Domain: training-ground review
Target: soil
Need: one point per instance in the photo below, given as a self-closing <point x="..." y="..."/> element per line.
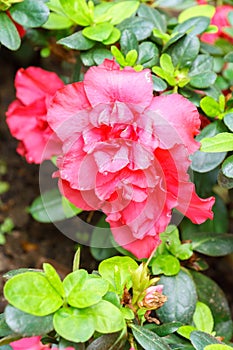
<point x="32" y="243"/>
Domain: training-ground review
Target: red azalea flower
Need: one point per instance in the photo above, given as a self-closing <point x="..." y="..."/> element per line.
<point x="221" y="21"/>
<point x="26" y="116"/>
<point x="127" y="153"/>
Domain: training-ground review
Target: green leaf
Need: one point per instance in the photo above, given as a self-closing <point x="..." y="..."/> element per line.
<point x="49" y="207"/>
<point x="227" y="167"/>
<point x="101" y="244"/>
<point x="229" y="57"/>
<point x="87" y="58"/>
<point x="27" y="325"/>
<point x="200" y="339"/>
<point x="115" y="341"/>
<point x="204" y="162"/>
<point x="222" y="142"/>
<point x="164" y="329"/>
<point x="9" y="35"/>
<point x="212" y="244"/>
<point x="148" y="54"/>
<point x="74" y="324"/>
<point x="194" y="25"/>
<point x="218" y="347"/>
<point x="180" y="306"/>
<point x="147" y="339"/>
<point x="158" y="84"/>
<point x="210" y="106"/>
<point x="98" y="32"/>
<point x="154" y="16"/>
<point x="117" y="271"/>
<point x="185" y="51"/>
<point x="113" y="37"/>
<point x="197" y="11"/>
<point x="166" y="63"/>
<point x="166" y="264"/>
<point x="57" y="21"/>
<point x="122" y="10"/>
<point x="203" y="80"/>
<point x="141" y="27"/>
<point x="128" y="41"/>
<point x="78" y="11"/>
<point x="99" y="55"/>
<point x="88" y="293"/>
<point x="77" y="41"/>
<point x="107" y="317"/>
<point x="228" y="121"/>
<point x="54" y="279"/>
<point x="30" y="13"/>
<point x="32" y="293"/>
<point x="185" y="331"/>
<point x="73" y="279"/>
<point x="208" y="292"/>
<point x="5" y="330"/>
<point x="131" y="58"/>
<point x="203" y="318"/>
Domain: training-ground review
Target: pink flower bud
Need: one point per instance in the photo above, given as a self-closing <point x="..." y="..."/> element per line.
<point x="154" y="298"/>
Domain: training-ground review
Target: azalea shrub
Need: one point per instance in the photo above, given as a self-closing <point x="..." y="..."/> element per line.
<point x="138" y="135"/>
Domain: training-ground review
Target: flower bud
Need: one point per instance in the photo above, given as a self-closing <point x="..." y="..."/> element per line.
<point x="154" y="298"/>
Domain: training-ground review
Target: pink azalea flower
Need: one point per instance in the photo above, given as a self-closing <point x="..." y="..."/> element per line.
<point x="220" y="19"/>
<point x="32" y="343"/>
<point x="26" y="116"/>
<point x="126" y="152"/>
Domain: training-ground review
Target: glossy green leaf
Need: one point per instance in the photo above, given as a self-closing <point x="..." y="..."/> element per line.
<point x="57" y="21"/>
<point x="148" y="54"/>
<point x="117" y="271"/>
<point x="208" y="292"/>
<point x="203" y="80"/>
<point x="32" y="293"/>
<point x="128" y="41"/>
<point x="87" y="58"/>
<point x="113" y="37"/>
<point x="74" y="324"/>
<point x="54" y="279"/>
<point x="185" y="331"/>
<point x="200" y="339"/>
<point x="147" y="339"/>
<point x="220" y="143"/>
<point x="88" y="293"/>
<point x="73" y="279"/>
<point x="218" y="347"/>
<point x="196" y="11"/>
<point x="229" y="57"/>
<point x="204" y="161"/>
<point x="115" y="341"/>
<point x="99" y="55"/>
<point x="210" y="106"/>
<point x="180" y="306"/>
<point x="194" y="25"/>
<point x="98" y="32"/>
<point x="77" y="41"/>
<point x="164" y="329"/>
<point x="228" y="120"/>
<point x="212" y="244"/>
<point x="5" y="330"/>
<point x="141" y="27"/>
<point x="107" y="317"/>
<point x="227" y="167"/>
<point x="166" y="63"/>
<point x="78" y="11"/>
<point x="9" y="35"/>
<point x="154" y="16"/>
<point x="203" y="318"/>
<point x="26" y="324"/>
<point x="158" y="84"/>
<point x="185" y="51"/>
<point x="166" y="264"/>
<point x="122" y="10"/>
<point x="30" y="13"/>
<point x="49" y="207"/>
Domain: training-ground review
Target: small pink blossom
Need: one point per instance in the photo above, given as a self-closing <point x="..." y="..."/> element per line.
<point x="220" y="19"/>
<point x="26" y="116"/>
<point x="32" y="343"/>
<point x="126" y="152"/>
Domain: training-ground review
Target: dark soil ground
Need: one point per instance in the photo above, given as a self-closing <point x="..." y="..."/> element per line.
<point x="32" y="243"/>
